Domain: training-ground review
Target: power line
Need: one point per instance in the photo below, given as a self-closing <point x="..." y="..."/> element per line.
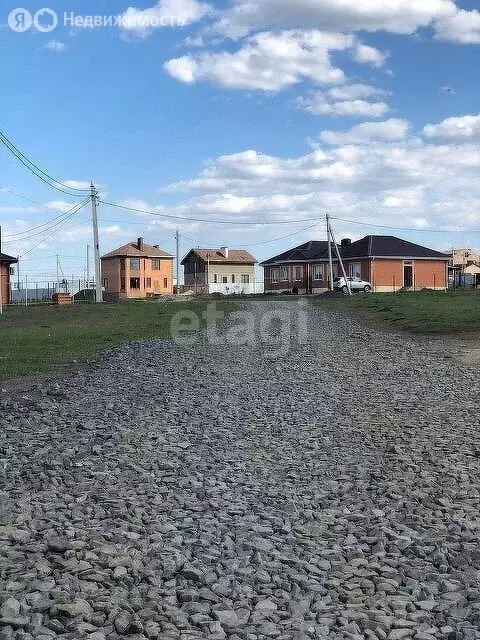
<point x="27" y="232"/>
<point x="57" y="226"/>
<point x="231" y="222"/>
<point x="383" y="226"/>
<point x="42" y="175"/>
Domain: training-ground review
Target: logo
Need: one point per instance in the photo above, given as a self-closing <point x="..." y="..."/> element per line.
<point x="21" y="20"/>
<point x="45" y="20"/>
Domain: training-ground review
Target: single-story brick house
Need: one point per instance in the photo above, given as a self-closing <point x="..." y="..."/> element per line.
<point x="6" y="263"/>
<point x="304" y="267"/>
<point x="388" y="262"/>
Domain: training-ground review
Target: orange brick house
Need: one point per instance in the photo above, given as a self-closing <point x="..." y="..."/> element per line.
<point x="137" y="270"/>
<point x="391" y="263"/>
<point x="5" y="268"/>
<point x="388" y="262"/>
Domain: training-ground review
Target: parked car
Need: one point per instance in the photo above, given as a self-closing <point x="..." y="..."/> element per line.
<point x="356" y="284"/>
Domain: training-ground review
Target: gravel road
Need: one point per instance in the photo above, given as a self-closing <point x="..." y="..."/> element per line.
<point x="214" y="491"/>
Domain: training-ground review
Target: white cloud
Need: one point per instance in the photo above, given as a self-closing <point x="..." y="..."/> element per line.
<point x="369" y="55"/>
<point x="456" y="129"/>
<point x="166" y="13"/>
<point x="324" y="103"/>
<point x="56" y="46"/>
<point x="268" y="61"/>
<point x="462" y="27"/>
<point x="355" y="92"/>
<point x="58" y="205"/>
<point x="367" y="132"/>
<point x="397" y="16"/>
<point x="77" y="184"/>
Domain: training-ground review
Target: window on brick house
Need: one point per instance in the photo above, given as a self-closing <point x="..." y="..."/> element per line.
<point x="165" y="283"/>
<point x="134" y="283"/>
<point x="318" y="272"/>
<point x="299" y="272"/>
<point x="135" y="264"/>
<point x="148" y="283"/>
<point x="155" y="264"/>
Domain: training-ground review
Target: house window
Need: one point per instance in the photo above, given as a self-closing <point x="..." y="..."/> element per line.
<point x="148" y="283"/>
<point x="105" y="282"/>
<point x="155" y="264"/>
<point x="318" y="271"/>
<point x="298" y="272"/>
<point x="122" y="284"/>
<point x="134" y="283"/>
<point x="275" y="275"/>
<point x="224" y="280"/>
<point x="245" y="278"/>
<point x="284" y="274"/>
<point x="135" y="264"/>
<point x="215" y="278"/>
<point x="355" y="270"/>
<point x="233" y="278"/>
<point x="165" y="283"/>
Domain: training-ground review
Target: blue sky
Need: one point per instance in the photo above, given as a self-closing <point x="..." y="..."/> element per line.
<point x="254" y="111"/>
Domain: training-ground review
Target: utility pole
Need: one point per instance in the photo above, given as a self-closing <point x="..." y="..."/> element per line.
<point x="347" y="281"/>
<point x="1" y="274"/>
<point x="96" y="245"/>
<point x="177" y="244"/>
<point x="87" y="286"/>
<point x="330" y="261"/>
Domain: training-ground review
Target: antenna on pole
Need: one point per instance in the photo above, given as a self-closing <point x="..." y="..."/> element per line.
<point x="96" y="245"/>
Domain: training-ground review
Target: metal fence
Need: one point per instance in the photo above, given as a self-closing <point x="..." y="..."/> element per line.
<point x="29" y="291"/>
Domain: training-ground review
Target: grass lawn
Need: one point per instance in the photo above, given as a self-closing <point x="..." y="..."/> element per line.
<point x="422" y="312"/>
<point x="43" y="338"/>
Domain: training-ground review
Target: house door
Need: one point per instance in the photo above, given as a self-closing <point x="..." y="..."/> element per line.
<point x="408" y="274"/>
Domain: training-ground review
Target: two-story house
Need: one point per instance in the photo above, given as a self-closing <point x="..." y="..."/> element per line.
<point x="137" y="270"/>
<point x="221" y="270"/>
<point x="5" y="270"/>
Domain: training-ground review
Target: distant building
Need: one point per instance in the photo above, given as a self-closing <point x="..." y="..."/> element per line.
<point x="221" y="270"/>
<point x="387" y="262"/>
<point x="6" y="263"/>
<point x="464" y="267"/>
<point x="137" y="270"/>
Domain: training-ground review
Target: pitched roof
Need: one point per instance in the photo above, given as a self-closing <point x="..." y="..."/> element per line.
<point x="313" y="250"/>
<point x="235" y="256"/>
<point x="388" y="247"/>
<point x="8" y="259"/>
<point x="131" y="250"/>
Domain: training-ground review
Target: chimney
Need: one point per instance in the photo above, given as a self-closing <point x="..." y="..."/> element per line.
<point x="346" y="242"/>
<point x="224" y="250"/>
<point x="140" y="244"/>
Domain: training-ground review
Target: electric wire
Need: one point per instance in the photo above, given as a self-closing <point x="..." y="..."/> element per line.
<point x="231" y="222"/>
<point x="16" y="237"/>
<point x="56" y="226"/>
<point x="40" y="173"/>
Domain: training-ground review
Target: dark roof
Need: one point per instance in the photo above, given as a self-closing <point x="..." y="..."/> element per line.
<point x="313" y="250"/>
<point x="235" y="256"/>
<point x="131" y="250"/>
<point x="388" y="247"/>
<point x="8" y="259"/>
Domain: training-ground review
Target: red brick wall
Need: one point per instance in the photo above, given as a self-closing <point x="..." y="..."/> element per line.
<point x="426" y="273"/>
